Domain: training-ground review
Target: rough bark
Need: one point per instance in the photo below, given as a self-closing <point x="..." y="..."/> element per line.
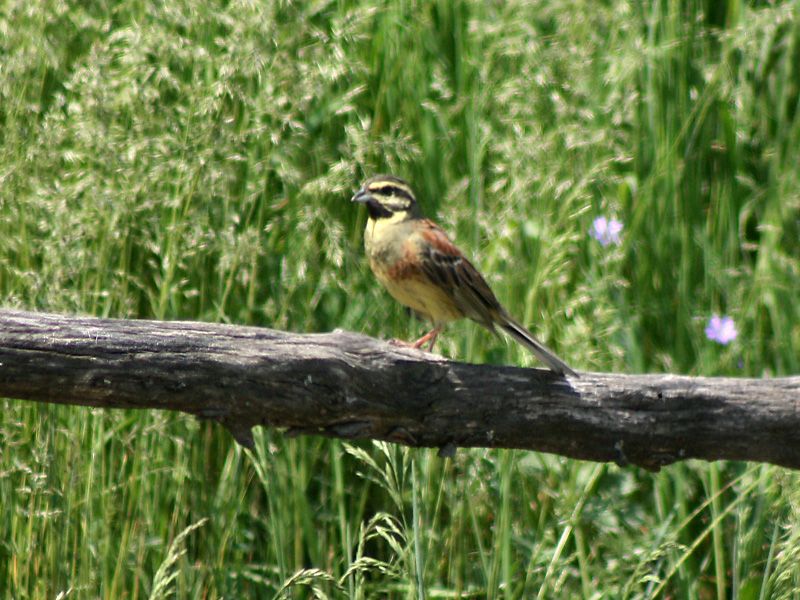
<point x="348" y="385"/>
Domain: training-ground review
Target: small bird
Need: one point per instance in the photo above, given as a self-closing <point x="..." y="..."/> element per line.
<point x="422" y="269"/>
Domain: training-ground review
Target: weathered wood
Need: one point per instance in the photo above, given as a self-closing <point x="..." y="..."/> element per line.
<point x="347" y="385"/>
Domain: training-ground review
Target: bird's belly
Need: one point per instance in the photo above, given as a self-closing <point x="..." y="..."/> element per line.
<point x="415" y="291"/>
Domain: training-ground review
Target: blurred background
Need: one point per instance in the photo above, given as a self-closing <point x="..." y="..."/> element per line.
<point x="620" y="171"/>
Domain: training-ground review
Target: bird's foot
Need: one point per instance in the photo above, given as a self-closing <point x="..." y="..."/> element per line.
<point x="429" y="338"/>
<point x="401" y="343"/>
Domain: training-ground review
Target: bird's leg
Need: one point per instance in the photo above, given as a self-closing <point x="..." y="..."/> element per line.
<point x="428" y="337"/>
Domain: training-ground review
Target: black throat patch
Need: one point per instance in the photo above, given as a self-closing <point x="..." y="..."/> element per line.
<point x="377" y="210"/>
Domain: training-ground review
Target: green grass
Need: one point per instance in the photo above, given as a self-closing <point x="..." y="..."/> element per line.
<point x="188" y="160"/>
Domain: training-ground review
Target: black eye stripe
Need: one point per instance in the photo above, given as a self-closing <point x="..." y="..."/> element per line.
<point x="392" y="190"/>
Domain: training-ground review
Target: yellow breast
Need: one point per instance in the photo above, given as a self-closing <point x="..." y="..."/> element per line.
<point x="394" y="258"/>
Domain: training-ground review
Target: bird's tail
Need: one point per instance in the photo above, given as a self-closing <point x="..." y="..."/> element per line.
<point x="542" y="352"/>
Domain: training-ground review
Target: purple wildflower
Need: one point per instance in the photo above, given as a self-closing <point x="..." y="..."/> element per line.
<point x="721" y="330"/>
<point x="606" y="232"/>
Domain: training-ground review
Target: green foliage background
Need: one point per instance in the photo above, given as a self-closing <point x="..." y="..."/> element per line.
<point x="189" y="160"/>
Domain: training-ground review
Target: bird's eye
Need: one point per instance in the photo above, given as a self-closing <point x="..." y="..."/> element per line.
<point x="394" y="191"/>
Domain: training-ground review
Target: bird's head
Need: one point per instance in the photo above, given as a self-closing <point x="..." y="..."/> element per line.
<point x="387" y="196"/>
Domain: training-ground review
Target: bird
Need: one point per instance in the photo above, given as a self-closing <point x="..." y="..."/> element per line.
<point x="423" y="269"/>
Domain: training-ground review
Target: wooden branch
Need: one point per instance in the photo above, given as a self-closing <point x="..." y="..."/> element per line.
<point x="347" y="385"/>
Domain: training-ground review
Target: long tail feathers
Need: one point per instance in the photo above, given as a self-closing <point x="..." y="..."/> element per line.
<point x="542" y="352"/>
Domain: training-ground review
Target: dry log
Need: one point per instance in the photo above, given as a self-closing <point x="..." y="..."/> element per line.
<point x="351" y="386"/>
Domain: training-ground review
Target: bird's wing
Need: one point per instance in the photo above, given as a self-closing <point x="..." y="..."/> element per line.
<point x="446" y="266"/>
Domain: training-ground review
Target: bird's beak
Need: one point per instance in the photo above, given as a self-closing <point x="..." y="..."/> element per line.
<point x="362" y="196"/>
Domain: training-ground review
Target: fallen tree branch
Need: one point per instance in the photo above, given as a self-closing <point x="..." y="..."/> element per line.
<point x="347" y="385"/>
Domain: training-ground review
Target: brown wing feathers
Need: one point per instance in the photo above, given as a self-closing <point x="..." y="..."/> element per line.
<point x="444" y="265"/>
